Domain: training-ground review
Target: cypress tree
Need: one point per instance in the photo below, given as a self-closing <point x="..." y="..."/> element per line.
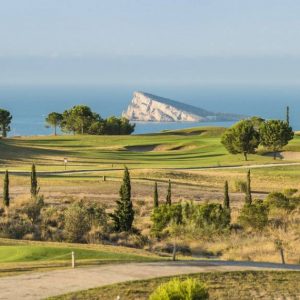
<point x="226" y="204"/>
<point x="34" y="184"/>
<point x="6" y="197"/>
<point x="169" y="194"/>
<point x="248" y="199"/>
<point x="155" y="196"/>
<point x="288" y="115"/>
<point x="124" y="214"/>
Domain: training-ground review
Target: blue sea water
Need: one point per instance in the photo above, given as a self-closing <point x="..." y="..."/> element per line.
<point x="29" y="105"/>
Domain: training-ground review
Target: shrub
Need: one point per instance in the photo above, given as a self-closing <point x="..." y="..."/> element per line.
<point x="212" y="216"/>
<point x="290" y="192"/>
<point x="278" y="200"/>
<point x="240" y="186"/>
<point x="254" y="215"/>
<point x="189" y="289"/>
<point x="77" y="222"/>
<point x="52" y="223"/>
<point x="97" y="215"/>
<point x="163" y="215"/>
<point x="33" y="209"/>
<point x="16" y="227"/>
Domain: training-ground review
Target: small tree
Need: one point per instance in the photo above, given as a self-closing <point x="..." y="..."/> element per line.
<point x="169" y="194"/>
<point x="124" y="214"/>
<point x="6" y="198"/>
<point x="5" y="120"/>
<point x="288" y="115"/>
<point x="275" y="134"/>
<point x="155" y="196"/>
<point x="248" y="198"/>
<point x="34" y="183"/>
<point x="241" y="138"/>
<point x="54" y="119"/>
<point x="226" y="196"/>
<point x="176" y="231"/>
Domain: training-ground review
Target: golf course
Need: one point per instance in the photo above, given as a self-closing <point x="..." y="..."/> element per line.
<point x="189" y="148"/>
<point x="88" y="169"/>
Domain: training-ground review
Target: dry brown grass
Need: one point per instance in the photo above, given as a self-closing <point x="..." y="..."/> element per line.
<point x="199" y="186"/>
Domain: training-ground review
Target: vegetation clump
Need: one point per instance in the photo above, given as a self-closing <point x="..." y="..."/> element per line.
<point x="80" y="119"/>
<point x="245" y="136"/>
<point x="176" y="289"/>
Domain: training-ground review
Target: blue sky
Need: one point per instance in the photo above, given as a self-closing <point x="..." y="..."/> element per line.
<point x="149" y="41"/>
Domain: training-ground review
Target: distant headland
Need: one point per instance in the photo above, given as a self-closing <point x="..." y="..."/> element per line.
<point x="146" y="107"/>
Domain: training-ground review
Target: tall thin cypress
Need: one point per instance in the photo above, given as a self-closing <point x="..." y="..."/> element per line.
<point x="226" y="203"/>
<point x="123" y="215"/>
<point x="34" y="183"/>
<point x="288" y="115"/>
<point x="155" y="196"/>
<point x="248" y="199"/>
<point x="6" y="198"/>
<point x="169" y="194"/>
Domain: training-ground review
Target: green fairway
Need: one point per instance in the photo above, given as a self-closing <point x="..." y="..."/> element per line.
<point x="29" y="253"/>
<point x="18" y="256"/>
<point x="190" y="148"/>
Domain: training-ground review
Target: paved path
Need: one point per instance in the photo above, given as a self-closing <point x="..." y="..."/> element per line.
<point x="51" y="283"/>
<point x="83" y="171"/>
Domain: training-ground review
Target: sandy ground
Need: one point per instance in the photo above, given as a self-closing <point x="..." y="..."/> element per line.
<point x="46" y="284"/>
<point x="108" y="192"/>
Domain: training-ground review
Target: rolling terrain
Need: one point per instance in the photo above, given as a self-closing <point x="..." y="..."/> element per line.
<point x="190" y="148"/>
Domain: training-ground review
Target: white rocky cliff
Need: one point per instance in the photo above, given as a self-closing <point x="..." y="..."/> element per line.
<point x="146" y="107"/>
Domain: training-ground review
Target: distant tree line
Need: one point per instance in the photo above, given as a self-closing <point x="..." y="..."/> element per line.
<point x="80" y="119"/>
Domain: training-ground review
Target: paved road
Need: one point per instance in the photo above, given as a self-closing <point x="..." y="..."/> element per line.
<point x="45" y="284"/>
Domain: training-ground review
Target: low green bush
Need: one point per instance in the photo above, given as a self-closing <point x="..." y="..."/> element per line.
<point x="278" y="200"/>
<point x="175" y="289"/>
<point x="254" y="215"/>
<point x="290" y="192"/>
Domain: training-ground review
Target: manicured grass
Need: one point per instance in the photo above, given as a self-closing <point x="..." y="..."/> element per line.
<point x="31" y="253"/>
<point x="188" y="148"/>
<point x="227" y="285"/>
<point x="20" y="256"/>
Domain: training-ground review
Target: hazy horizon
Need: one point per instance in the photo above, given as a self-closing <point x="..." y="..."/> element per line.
<point x="141" y="42"/>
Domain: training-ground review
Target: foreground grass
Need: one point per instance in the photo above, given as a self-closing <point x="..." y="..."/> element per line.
<point x="22" y="256"/>
<point x="222" y="285"/>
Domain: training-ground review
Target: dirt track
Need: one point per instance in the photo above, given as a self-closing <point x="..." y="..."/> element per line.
<point x="46" y="284"/>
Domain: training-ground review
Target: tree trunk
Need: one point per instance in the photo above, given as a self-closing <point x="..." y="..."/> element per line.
<point x="282" y="256"/>
<point x="55" y="130"/>
<point x="245" y="156"/>
<point x="274" y="155"/>
<point x="4" y="133"/>
<point x="174" y="251"/>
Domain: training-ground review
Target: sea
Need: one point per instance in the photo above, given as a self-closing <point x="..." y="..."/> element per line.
<point x="29" y="105"/>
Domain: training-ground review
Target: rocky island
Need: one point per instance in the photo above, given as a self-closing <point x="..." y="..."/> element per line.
<point x="146" y="107"/>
